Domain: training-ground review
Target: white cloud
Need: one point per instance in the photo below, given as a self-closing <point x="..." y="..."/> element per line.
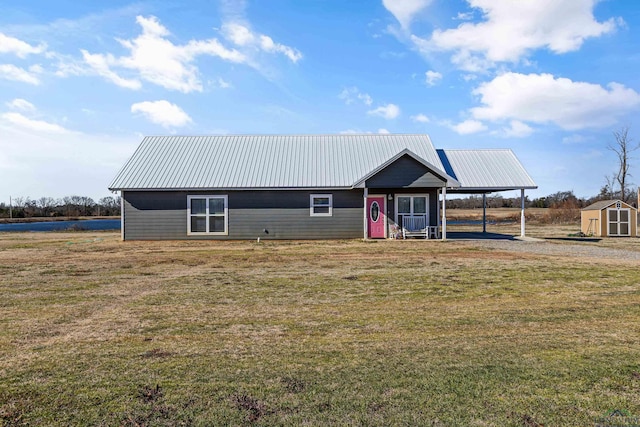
<point x="420" y="118"/>
<point x="21" y="104"/>
<point x="468" y="127"/>
<point x="464" y="16"/>
<point x="432" y="77"/>
<point x="223" y="84"/>
<point x="389" y="111"/>
<point x="511" y="29"/>
<point x="241" y="35"/>
<point x="18" y="47"/>
<point x="268" y="45"/>
<point x="350" y="94"/>
<point x="383" y="131"/>
<point x="157" y="60"/>
<point x="48" y="160"/>
<point x="162" y="112"/>
<point x="100" y="65"/>
<point x="574" y="139"/>
<point x="238" y="34"/>
<point x="11" y="72"/>
<point x="26" y="123"/>
<point x="542" y="98"/>
<point x="517" y="129"/>
<point x="405" y="10"/>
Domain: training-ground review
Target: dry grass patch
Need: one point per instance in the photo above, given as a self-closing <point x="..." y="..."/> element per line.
<point x="98" y="331"/>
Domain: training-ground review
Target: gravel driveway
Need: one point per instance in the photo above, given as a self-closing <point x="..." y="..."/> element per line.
<point x="578" y="250"/>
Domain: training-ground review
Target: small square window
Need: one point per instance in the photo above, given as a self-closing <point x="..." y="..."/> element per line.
<point x="321" y="205"/>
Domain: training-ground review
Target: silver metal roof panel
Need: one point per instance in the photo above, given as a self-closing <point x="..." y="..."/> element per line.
<point x="495" y="170"/>
<point x="263" y="161"/>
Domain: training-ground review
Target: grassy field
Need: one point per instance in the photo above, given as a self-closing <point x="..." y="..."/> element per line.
<point x="95" y="331"/>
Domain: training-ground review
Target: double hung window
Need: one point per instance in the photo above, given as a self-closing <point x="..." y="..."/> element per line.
<point x="321" y="205"/>
<point x="207" y="215"/>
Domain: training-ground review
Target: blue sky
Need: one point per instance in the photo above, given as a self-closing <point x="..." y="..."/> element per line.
<point x="82" y="82"/>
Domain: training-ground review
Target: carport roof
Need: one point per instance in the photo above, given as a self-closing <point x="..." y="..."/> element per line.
<point x="485" y="170"/>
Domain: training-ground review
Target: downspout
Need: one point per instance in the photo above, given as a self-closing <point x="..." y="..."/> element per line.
<point x="364" y="210"/>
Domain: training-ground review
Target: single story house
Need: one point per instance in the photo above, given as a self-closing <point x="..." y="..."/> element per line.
<point x="302" y="186"/>
<point x="609" y="218"/>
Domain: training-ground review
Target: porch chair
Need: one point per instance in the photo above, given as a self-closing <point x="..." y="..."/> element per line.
<point x="415" y="226"/>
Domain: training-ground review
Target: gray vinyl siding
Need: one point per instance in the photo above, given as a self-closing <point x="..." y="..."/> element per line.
<point x="405" y="173"/>
<point x="162" y="215"/>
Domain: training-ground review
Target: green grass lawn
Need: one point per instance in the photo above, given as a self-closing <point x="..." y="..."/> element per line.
<point x="94" y="331"/>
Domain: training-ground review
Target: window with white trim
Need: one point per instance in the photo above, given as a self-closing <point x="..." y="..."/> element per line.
<point x="207" y="215"/>
<point x="412" y="205"/>
<point x="321" y="205"/>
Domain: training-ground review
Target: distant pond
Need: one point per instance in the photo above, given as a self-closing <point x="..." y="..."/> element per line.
<point x="88" y="225"/>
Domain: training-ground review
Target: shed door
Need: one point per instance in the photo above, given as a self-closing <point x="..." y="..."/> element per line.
<point x="376" y="218"/>
<point x="618" y="222"/>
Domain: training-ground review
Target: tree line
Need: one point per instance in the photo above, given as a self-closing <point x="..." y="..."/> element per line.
<point x="70" y="206"/>
<point x="558" y="200"/>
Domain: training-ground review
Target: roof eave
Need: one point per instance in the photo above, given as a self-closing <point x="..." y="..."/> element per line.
<point x="463" y="189"/>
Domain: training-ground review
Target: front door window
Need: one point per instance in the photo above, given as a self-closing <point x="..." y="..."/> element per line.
<point x="375" y="211"/>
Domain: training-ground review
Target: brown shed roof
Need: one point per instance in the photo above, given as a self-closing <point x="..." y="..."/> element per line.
<point x="602" y="204"/>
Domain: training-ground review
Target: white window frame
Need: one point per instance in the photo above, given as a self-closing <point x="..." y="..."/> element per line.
<point x="313" y="205"/>
<point x="412" y="195"/>
<point x="207" y="215"/>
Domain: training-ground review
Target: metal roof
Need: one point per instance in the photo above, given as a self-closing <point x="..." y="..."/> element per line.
<point x="305" y="161"/>
<point x="263" y="161"/>
<point x="486" y="170"/>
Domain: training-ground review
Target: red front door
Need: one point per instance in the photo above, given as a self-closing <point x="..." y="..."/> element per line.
<point x="376" y="217"/>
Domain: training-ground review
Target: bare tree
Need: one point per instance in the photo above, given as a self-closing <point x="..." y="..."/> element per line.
<point x="46" y="205"/>
<point x="608" y="190"/>
<point x="623" y="147"/>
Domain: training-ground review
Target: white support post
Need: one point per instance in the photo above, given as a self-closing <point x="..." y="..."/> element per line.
<point x="522" y="212"/>
<point x="122" y="215"/>
<point x="364" y="210"/>
<point x="484" y="212"/>
<point x="438" y="211"/>
<point x="444" y="213"/>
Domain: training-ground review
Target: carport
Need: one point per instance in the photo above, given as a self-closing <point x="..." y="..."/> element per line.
<point x="484" y="172"/>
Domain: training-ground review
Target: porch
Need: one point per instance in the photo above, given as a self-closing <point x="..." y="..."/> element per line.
<point x="407" y="195"/>
<point x="422" y="213"/>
